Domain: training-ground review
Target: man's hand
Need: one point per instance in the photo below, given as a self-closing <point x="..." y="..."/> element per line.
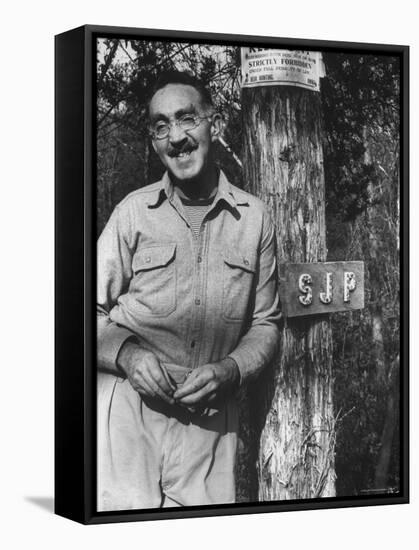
<point x="145" y="373"/>
<point x="208" y="384"/>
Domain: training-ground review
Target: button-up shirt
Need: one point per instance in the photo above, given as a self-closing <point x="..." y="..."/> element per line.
<point x="190" y="300"/>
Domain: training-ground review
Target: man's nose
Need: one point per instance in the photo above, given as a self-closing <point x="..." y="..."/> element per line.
<point x="177" y="135"/>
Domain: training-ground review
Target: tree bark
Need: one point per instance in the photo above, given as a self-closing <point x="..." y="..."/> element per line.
<point x="381" y="479"/>
<point x="283" y="165"/>
<point x="386" y="386"/>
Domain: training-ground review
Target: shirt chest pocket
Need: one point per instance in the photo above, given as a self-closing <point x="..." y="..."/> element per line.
<point x="238" y="278"/>
<point x="154" y="280"/>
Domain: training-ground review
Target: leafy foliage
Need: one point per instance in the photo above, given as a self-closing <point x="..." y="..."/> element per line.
<point x="361" y="115"/>
<point x="360" y="93"/>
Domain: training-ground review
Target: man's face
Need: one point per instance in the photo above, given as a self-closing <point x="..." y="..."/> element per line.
<point x="185" y="153"/>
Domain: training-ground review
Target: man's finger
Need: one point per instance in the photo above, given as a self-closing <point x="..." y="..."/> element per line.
<point x="171" y="385"/>
<point x="158" y="387"/>
<point x="144" y="386"/>
<point x="161" y="382"/>
<point x="192" y="384"/>
<point x="158" y="376"/>
<point x="199" y="396"/>
<point x="154" y="370"/>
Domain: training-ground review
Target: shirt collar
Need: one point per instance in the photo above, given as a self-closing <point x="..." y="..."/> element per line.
<point x="226" y="192"/>
<point x="231" y="195"/>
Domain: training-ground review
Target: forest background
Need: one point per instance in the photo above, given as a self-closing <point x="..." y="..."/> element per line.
<point x="360" y="98"/>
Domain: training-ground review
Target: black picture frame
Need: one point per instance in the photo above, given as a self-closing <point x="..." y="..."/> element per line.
<point x="75" y="470"/>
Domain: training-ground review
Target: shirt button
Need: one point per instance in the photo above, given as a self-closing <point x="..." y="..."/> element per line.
<point x="199" y="259"/>
<point x="148" y="259"/>
<point x="197" y="301"/>
<point x="245" y="261"/>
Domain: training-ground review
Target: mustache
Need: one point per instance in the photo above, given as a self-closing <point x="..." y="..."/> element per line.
<point x="187" y="148"/>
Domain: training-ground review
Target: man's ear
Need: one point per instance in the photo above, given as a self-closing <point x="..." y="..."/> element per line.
<point x="217" y="124"/>
<point x="153" y="143"/>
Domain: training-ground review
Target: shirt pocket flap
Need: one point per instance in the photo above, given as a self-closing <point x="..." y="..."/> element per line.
<point x="152" y="257"/>
<point x="237" y="258"/>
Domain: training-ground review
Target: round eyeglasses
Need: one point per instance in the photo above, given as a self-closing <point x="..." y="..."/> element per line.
<point x="161" y="129"/>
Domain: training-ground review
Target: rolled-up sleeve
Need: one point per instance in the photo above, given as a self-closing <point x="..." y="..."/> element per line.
<point x="258" y="346"/>
<point x="114" y="272"/>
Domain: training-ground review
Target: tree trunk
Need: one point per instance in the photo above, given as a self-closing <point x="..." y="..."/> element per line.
<point x="381" y="479"/>
<point x="283" y="165"/>
<point x="386" y="375"/>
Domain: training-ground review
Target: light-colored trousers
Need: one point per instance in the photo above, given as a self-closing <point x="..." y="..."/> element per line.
<point x="152" y="455"/>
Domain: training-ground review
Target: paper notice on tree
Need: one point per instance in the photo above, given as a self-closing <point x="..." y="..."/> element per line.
<point x="265" y="67"/>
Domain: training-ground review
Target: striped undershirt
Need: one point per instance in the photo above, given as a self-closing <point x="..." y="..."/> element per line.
<point x="195" y="212"/>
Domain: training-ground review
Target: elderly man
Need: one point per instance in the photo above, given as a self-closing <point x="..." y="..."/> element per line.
<point x="187" y="312"/>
